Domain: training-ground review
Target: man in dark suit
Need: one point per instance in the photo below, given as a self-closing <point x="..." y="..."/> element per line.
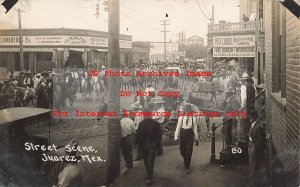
<point x="149" y="136"/>
<point x="256" y="150"/>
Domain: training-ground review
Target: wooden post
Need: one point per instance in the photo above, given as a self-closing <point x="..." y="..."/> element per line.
<point x="21" y="41"/>
<point x="114" y="131"/>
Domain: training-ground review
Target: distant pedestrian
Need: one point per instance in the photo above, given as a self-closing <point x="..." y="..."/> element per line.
<point x="149" y="135"/>
<point x="127" y="129"/>
<point x="187" y="131"/>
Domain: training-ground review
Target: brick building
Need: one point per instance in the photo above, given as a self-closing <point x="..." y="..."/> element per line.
<point x="282" y="70"/>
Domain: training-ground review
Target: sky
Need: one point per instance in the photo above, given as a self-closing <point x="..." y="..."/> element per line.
<point x="139" y="18"/>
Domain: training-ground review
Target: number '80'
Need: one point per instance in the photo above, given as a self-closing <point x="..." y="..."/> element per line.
<point x="235" y="150"/>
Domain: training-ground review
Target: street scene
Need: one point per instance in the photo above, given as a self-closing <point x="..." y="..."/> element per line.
<point x="149" y="93"/>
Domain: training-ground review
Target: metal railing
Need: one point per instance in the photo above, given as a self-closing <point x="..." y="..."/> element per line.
<point x="214" y="127"/>
<point x="236" y="27"/>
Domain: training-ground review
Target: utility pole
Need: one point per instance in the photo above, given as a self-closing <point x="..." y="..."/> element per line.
<point x="97" y="10"/>
<point x="164" y="23"/>
<point x="21" y="40"/>
<point x="114" y="130"/>
<point x="213" y="14"/>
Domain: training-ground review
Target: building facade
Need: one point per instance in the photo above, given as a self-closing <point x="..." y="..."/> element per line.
<point x="242" y="41"/>
<point x="282" y="45"/>
<point x="57" y="48"/>
<point x="157" y="52"/>
<point x="195" y="40"/>
<point x="140" y="52"/>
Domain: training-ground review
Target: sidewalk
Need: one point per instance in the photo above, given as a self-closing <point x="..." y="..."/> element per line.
<point x="169" y="170"/>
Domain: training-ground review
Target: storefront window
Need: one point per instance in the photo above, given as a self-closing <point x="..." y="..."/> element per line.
<point x="3" y="59"/>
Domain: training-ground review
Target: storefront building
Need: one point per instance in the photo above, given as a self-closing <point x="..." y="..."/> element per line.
<point x="57" y="48"/>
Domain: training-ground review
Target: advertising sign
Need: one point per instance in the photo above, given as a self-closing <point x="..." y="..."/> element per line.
<point x="60" y="40"/>
<point x="234" y="46"/>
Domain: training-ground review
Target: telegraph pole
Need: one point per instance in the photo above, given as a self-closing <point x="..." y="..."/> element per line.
<point x="114" y="130"/>
<point x="21" y="40"/>
<point x="164" y="23"/>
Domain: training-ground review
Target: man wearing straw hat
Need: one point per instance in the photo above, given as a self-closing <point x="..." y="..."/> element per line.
<point x="247" y="103"/>
<point x="160" y="119"/>
<point x="137" y="120"/>
<point x="231" y="105"/>
<point x="187" y="131"/>
<point x="72" y="173"/>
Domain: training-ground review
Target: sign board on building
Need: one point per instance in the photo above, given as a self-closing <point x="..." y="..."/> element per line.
<point x="234" y="46"/>
<point x="61" y="40"/>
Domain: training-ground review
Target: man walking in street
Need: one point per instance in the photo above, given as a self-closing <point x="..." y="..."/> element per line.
<point x="149" y="135"/>
<point x="160" y="119"/>
<point x="137" y="120"/>
<point x="187" y="130"/>
<point x="127" y="129"/>
<point x="256" y="150"/>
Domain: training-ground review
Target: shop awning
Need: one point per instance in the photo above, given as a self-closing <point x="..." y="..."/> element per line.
<point x="77" y="49"/>
<point x="102" y="50"/>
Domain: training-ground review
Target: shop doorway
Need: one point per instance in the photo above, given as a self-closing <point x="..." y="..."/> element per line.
<point x="75" y="60"/>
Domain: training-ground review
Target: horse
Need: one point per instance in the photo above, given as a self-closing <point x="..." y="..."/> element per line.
<point x="95" y="87"/>
<point x="29" y="96"/>
<point x="19" y="95"/>
<point x="71" y="92"/>
<point x="58" y="96"/>
<point x="86" y="88"/>
<point x="43" y="99"/>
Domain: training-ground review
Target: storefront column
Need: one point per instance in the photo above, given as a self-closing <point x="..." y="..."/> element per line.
<point x="31" y="62"/>
<point x="60" y="58"/>
<point x="89" y="59"/>
<point x="9" y="62"/>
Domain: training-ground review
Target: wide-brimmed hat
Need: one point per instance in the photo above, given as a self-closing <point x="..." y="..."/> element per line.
<point x="66" y="152"/>
<point x="157" y="100"/>
<point x="245" y="76"/>
<point x="188" y="107"/>
<point x="136" y="105"/>
<point x="253" y="114"/>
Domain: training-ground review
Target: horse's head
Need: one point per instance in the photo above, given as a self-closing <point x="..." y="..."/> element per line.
<point x="26" y="94"/>
<point x="29" y="92"/>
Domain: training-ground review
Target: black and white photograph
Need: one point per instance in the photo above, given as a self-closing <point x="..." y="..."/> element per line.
<point x="163" y="93"/>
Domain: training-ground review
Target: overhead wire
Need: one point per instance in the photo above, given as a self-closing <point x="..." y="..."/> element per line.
<point x="206" y="8"/>
<point x="202" y="10"/>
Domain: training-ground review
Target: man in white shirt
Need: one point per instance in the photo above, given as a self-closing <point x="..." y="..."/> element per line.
<point x="127" y="129"/>
<point x="247" y="103"/>
<point x="187" y="131"/>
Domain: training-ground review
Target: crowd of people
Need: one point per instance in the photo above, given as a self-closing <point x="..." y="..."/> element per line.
<point x="237" y="92"/>
<point x="146" y="132"/>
